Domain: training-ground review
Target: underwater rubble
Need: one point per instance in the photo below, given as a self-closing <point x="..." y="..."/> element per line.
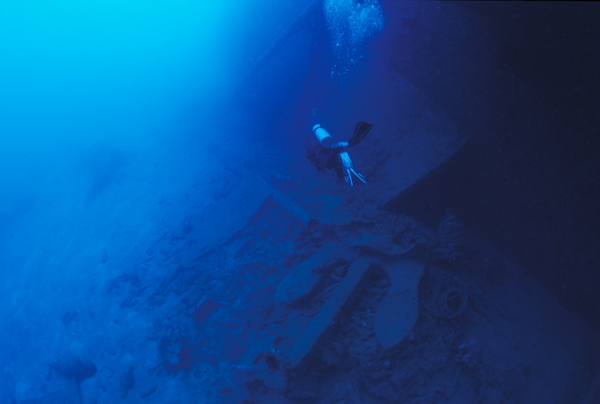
<point x="288" y="294"/>
<point x="367" y="312"/>
<point x="282" y="307"/>
<point x="279" y="306"/>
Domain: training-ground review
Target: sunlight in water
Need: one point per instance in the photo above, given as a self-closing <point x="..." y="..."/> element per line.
<point x="75" y="70"/>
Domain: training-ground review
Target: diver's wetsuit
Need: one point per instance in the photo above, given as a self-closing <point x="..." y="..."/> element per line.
<point x="327" y="157"/>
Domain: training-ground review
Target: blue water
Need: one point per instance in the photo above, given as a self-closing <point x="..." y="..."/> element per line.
<point x="172" y="231"/>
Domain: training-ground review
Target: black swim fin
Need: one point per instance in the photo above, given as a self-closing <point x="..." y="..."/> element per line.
<point x="360" y="131"/>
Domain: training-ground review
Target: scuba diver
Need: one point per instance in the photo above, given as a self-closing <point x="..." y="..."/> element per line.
<point x="331" y="155"/>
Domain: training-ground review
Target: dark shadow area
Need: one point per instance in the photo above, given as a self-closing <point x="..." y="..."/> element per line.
<point x="520" y="79"/>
